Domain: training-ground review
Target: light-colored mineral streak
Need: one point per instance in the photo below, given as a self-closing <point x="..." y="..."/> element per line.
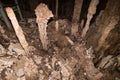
<point x="43" y="14"/>
<point x="91" y="12"/>
<point x="76" y="16"/>
<point x="106" y="31"/>
<point x="17" y="28"/>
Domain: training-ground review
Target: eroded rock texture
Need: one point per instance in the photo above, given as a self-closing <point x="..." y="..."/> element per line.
<point x="62" y="56"/>
<point x="43" y="15"/>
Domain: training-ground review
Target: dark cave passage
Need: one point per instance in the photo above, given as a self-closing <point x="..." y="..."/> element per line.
<point x="65" y="7"/>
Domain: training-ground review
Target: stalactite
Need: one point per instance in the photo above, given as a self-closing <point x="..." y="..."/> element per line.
<point x="17" y="28"/>
<point x="91" y="12"/>
<point x="43" y="15"/>
<point x="76" y="16"/>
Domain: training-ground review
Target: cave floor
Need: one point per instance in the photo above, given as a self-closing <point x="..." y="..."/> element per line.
<point x="65" y="59"/>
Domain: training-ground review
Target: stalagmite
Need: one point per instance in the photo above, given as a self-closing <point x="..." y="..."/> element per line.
<point x="17" y="28"/>
<point x="86" y="61"/>
<point x="82" y="23"/>
<point x="76" y="16"/>
<point x="91" y="12"/>
<point x="43" y="15"/>
<point x="110" y="26"/>
<point x="56" y="23"/>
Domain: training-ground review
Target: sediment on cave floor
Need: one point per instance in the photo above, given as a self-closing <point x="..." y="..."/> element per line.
<point x="60" y="40"/>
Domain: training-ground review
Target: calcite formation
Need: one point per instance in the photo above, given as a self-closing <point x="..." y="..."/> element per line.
<point x="91" y="12"/>
<point x="17" y="28"/>
<point x="43" y="15"/>
<point x="106" y="31"/>
<point x="76" y="16"/>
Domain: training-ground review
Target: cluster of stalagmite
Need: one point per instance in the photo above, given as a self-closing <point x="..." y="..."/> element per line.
<point x="43" y="15"/>
<point x="91" y="12"/>
<point x="17" y="28"/>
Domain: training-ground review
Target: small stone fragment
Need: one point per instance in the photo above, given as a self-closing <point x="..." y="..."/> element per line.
<point x="2" y="50"/>
<point x="20" y="72"/>
<point x="37" y="59"/>
<point x="15" y="48"/>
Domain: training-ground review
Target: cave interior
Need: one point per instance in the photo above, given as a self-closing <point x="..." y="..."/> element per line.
<point x="59" y="40"/>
